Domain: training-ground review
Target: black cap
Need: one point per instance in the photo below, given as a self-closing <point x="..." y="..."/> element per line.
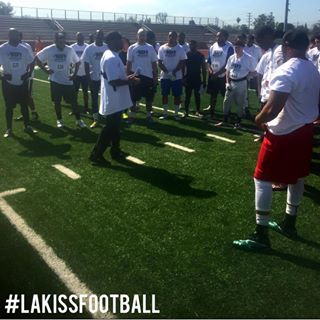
<point x="296" y="39"/>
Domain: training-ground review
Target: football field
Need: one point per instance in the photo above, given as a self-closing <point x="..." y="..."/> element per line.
<point x="164" y="227"/>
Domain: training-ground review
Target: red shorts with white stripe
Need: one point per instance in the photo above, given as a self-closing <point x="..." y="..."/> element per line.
<point x="285" y="158"/>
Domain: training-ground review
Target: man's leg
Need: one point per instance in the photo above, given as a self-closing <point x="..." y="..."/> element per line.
<point x="227" y="103"/>
<point x="95" y="87"/>
<point x="84" y="86"/>
<point x="241" y="91"/>
<point x="177" y="89"/>
<point x="115" y="126"/>
<point x="188" y="90"/>
<point x="165" y="91"/>
<point x="9" y="116"/>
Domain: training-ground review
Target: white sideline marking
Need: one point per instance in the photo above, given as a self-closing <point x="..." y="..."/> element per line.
<point x="177" y="146"/>
<point x="135" y="160"/>
<point x="68" y="172"/>
<point x="220" y="138"/>
<point x="56" y="264"/>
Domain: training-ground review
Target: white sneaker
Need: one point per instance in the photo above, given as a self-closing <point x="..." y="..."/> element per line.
<point x="60" y="123"/>
<point x="80" y="124"/>
<point x="164" y="116"/>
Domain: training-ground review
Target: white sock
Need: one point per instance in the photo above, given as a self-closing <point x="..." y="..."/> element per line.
<point x="294" y="195"/>
<point x="262" y="220"/>
<point x="263" y="197"/>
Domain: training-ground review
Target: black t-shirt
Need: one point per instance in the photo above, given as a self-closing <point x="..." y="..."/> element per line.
<point x="193" y="64"/>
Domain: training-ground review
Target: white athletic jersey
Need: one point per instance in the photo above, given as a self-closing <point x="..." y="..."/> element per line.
<point x="254" y="51"/>
<point x="170" y="57"/>
<point x="60" y="61"/>
<point x="15" y="61"/>
<point x="301" y="80"/>
<point x="92" y="55"/>
<point x="157" y="47"/>
<point x="185" y="47"/>
<point x="240" y="67"/>
<point x="113" y="99"/>
<point x="267" y="65"/>
<point x="79" y="51"/>
<point x="314" y="55"/>
<point x="142" y="57"/>
<point x="218" y="56"/>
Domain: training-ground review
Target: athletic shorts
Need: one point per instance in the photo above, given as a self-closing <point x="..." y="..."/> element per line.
<point x="168" y="85"/>
<point x="59" y="91"/>
<point x="14" y="95"/>
<point x="285" y="158"/>
<point x="145" y="88"/>
<point x="81" y="81"/>
<point x="216" y="86"/>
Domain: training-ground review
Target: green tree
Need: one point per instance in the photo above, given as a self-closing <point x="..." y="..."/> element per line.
<point x="264" y="20"/>
<point x="6" y="9"/>
<point x="161" y="17"/>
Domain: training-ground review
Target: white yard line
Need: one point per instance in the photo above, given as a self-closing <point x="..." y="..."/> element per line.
<point x="68" y="172"/>
<point x="177" y="146"/>
<point x="56" y="264"/>
<point x="135" y="160"/>
<point x="210" y="135"/>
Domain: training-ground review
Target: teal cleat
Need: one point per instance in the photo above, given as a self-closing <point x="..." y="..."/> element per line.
<point x="255" y="242"/>
<point x="289" y="232"/>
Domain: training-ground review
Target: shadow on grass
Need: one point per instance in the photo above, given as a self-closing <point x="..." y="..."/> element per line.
<point x="53" y="131"/>
<point x="138" y="137"/>
<point x="172" y="183"/>
<point x="315" y="168"/>
<point x="312" y="193"/>
<point x="38" y="147"/>
<point x="84" y="135"/>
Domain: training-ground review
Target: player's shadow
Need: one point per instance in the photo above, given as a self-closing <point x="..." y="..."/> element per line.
<point x="138" y="137"/>
<point x="166" y="128"/>
<point x="175" y="184"/>
<point x="38" y="147"/>
<point x="53" y="131"/>
<point x="82" y="135"/>
<point x="312" y="193"/>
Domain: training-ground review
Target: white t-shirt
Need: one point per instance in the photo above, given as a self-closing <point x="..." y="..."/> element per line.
<point x="92" y="55"/>
<point x="60" y="61"/>
<point x="314" y="55"/>
<point x="185" y="47"/>
<point x="28" y="46"/>
<point x="254" y="51"/>
<point x="267" y="65"/>
<point x="240" y="67"/>
<point x="15" y="61"/>
<point x="301" y="80"/>
<point x="113" y="99"/>
<point x="79" y="51"/>
<point x="218" y="56"/>
<point x="142" y="57"/>
<point x="170" y="57"/>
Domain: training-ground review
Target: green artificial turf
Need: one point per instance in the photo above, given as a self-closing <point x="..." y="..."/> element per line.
<point x="164" y="228"/>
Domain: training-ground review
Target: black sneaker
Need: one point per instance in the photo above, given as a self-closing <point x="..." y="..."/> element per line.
<point x="282" y="228"/>
<point x="119" y="155"/>
<point x="255" y="242"/>
<point x="30" y="130"/>
<point x="99" y="161"/>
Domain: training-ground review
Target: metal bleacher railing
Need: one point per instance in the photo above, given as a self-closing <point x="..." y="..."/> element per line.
<point x="28" y="12"/>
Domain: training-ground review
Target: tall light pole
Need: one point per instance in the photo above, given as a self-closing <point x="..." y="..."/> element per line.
<point x="286" y="16"/>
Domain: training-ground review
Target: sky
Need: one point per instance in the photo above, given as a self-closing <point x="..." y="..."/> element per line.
<point x="301" y="12"/>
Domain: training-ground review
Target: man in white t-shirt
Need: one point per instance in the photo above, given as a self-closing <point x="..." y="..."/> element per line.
<point x="182" y="41"/>
<point x="238" y="67"/>
<point x="142" y="61"/>
<point x="171" y="61"/>
<point x="91" y="57"/>
<point x="60" y="59"/>
<point x="115" y="98"/>
<point x="314" y="53"/>
<point x="81" y="79"/>
<point x="286" y="152"/>
<point x="218" y="56"/>
<point x="151" y="39"/>
<point x="17" y="64"/>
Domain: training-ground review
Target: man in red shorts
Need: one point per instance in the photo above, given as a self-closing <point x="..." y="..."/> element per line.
<point x="286" y="152"/>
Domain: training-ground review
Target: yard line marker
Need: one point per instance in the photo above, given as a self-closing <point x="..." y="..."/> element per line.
<point x="68" y="172"/>
<point x="220" y="138"/>
<point x="56" y="264"/>
<point x="135" y="160"/>
<point x="177" y="146"/>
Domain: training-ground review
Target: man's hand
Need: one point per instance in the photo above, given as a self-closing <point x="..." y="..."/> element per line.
<point x="72" y="77"/>
<point x="133" y="81"/>
<point x="25" y="76"/>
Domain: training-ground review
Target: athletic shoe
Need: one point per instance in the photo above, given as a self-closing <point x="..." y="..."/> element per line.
<point x="125" y="116"/>
<point x="100" y="161"/>
<point x="177" y="118"/>
<point x="149" y="119"/>
<point x="219" y="124"/>
<point x="19" y="118"/>
<point x="207" y="109"/>
<point x="60" y="123"/>
<point x="94" y="124"/>
<point x="71" y="113"/>
<point x="80" y="124"/>
<point x="289" y="232"/>
<point x="237" y="126"/>
<point x="254" y="242"/>
<point x="8" y="133"/>
<point x="34" y="115"/>
<point x="119" y="155"/>
<point x="163" y="117"/>
<point x="198" y="114"/>
<point x="86" y="111"/>
<point x="186" y="115"/>
<point x="29" y="129"/>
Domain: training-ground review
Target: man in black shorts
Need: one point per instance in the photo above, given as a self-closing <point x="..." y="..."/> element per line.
<point x="195" y="67"/>
<point x="142" y="61"/>
<point x="17" y="64"/>
<point x="219" y="54"/>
